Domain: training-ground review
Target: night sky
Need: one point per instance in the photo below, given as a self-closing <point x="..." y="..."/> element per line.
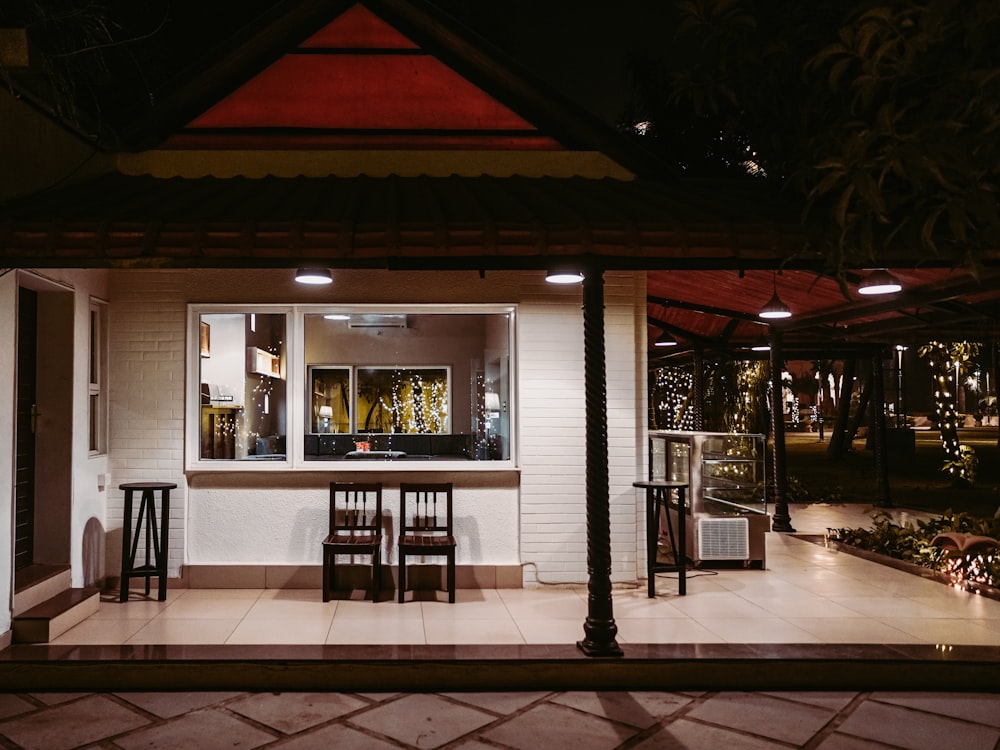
<point x="582" y="49"/>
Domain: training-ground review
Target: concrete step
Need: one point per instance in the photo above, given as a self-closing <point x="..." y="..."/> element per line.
<point x="56" y="615"/>
<point x="38" y="583"/>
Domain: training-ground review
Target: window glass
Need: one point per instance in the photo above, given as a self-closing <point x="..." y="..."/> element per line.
<point x="97" y="410"/>
<point x="330" y="399"/>
<point x="428" y="385"/>
<point x="242" y="358"/>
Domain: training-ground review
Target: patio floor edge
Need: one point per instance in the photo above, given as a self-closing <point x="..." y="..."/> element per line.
<point x="493" y="668"/>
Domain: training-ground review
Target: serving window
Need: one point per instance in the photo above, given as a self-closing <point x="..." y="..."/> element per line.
<point x="420" y="384"/>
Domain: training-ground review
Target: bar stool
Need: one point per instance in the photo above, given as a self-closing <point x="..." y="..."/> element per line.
<point x="657" y="500"/>
<point x="155" y="563"/>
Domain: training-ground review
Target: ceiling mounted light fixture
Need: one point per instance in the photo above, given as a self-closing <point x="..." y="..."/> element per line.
<point x="314" y="276"/>
<point x="337" y="316"/>
<point x="775" y="309"/>
<point x="879" y="281"/>
<point x="564" y="274"/>
<point x="665" y="339"/>
<point x="761" y="346"/>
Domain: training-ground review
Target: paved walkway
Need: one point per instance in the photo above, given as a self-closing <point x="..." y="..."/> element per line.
<point x="522" y="720"/>
<point x="818" y="612"/>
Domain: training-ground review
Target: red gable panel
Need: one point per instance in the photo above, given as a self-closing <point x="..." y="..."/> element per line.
<point x="328" y="95"/>
<point x="414" y="92"/>
<point x="359" y="28"/>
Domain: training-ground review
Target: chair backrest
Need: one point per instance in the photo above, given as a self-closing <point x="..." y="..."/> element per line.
<point x="425" y="507"/>
<point x="356" y="507"/>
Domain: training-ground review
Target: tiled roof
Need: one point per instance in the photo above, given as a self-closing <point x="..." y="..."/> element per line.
<point x="439" y="222"/>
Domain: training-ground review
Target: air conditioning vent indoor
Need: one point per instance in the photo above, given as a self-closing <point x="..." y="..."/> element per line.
<point x="377" y="320"/>
<point x="723" y="539"/>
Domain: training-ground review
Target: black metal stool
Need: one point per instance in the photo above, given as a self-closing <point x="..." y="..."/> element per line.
<point x="155" y="565"/>
<point x="657" y="499"/>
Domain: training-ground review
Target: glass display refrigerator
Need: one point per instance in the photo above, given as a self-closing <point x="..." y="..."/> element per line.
<point x="727" y="490"/>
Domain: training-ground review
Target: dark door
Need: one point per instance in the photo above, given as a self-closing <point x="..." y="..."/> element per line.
<point x="24" y="478"/>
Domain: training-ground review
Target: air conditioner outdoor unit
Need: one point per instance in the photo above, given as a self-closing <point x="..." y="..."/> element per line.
<point x="723" y="539"/>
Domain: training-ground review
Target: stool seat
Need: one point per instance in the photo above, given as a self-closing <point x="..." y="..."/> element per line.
<point x="154" y="564"/>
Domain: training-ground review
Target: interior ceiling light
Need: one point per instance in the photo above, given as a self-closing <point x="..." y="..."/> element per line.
<point x="564" y="275"/>
<point x="314" y="276"/>
<point x="775" y="309"/>
<point x="665" y="339"/>
<point x="879" y="281"/>
<point x="337" y="316"/>
<point x="761" y="346"/>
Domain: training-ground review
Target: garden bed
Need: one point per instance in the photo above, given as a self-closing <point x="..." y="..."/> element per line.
<point x="974" y="587"/>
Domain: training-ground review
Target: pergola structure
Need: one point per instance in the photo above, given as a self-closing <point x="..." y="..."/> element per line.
<point x="713" y="252"/>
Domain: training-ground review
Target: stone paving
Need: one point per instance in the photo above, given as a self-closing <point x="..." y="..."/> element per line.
<point x="521" y="720"/>
<point x="885" y="607"/>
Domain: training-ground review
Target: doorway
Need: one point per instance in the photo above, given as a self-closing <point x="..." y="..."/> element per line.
<point x="44" y="428"/>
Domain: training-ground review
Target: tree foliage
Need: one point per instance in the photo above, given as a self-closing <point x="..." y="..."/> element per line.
<point x="882" y="117"/>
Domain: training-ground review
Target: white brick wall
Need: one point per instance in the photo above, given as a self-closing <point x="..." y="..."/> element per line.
<point x="148" y="322"/>
<point x="552" y="429"/>
<point x="146" y="386"/>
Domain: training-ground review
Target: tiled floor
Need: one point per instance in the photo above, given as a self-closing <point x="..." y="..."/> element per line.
<point x="808" y="595"/>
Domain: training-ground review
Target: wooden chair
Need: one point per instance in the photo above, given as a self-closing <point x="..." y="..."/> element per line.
<point x="355" y="529"/>
<point x="425" y="528"/>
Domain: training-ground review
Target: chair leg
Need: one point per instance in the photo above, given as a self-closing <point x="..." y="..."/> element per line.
<point x="327" y="574"/>
<point x="376" y="575"/>
<point x="402" y="576"/>
<point x="451" y="577"/>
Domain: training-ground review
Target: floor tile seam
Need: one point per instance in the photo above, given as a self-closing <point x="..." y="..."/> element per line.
<point x="925" y="712"/>
<point x="478" y="734"/>
<point x="376" y="735"/>
<point x="685" y="713"/>
<point x="842" y="601"/>
<point x="457" y="741"/>
<point x="113" y="737"/>
<point x="279" y="734"/>
<point x="38" y="707"/>
<point x="661" y="725"/>
<point x="584" y="712"/>
<point x="217" y="707"/>
<point x="832" y="727"/>
<point x="155" y="720"/>
<point x="496" y="714"/>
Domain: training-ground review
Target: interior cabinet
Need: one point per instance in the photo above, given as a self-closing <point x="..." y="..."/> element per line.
<point x="263" y="363"/>
<point x="727" y="480"/>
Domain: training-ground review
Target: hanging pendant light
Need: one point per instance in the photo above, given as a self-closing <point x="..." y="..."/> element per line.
<point x="775" y="309"/>
<point x="879" y="281"/>
<point x="665" y="339"/>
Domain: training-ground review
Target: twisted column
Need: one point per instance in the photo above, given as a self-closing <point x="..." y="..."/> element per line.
<point x="782" y="520"/>
<point x="599" y="628"/>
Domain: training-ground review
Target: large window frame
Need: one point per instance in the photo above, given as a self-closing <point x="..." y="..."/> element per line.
<point x="299" y="406"/>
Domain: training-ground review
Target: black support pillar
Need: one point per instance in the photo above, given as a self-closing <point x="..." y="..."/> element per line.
<point x="782" y="520"/>
<point x="877" y="403"/>
<point x="599" y="628"/>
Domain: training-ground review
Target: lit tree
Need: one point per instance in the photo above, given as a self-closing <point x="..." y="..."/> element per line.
<point x="949" y="363"/>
